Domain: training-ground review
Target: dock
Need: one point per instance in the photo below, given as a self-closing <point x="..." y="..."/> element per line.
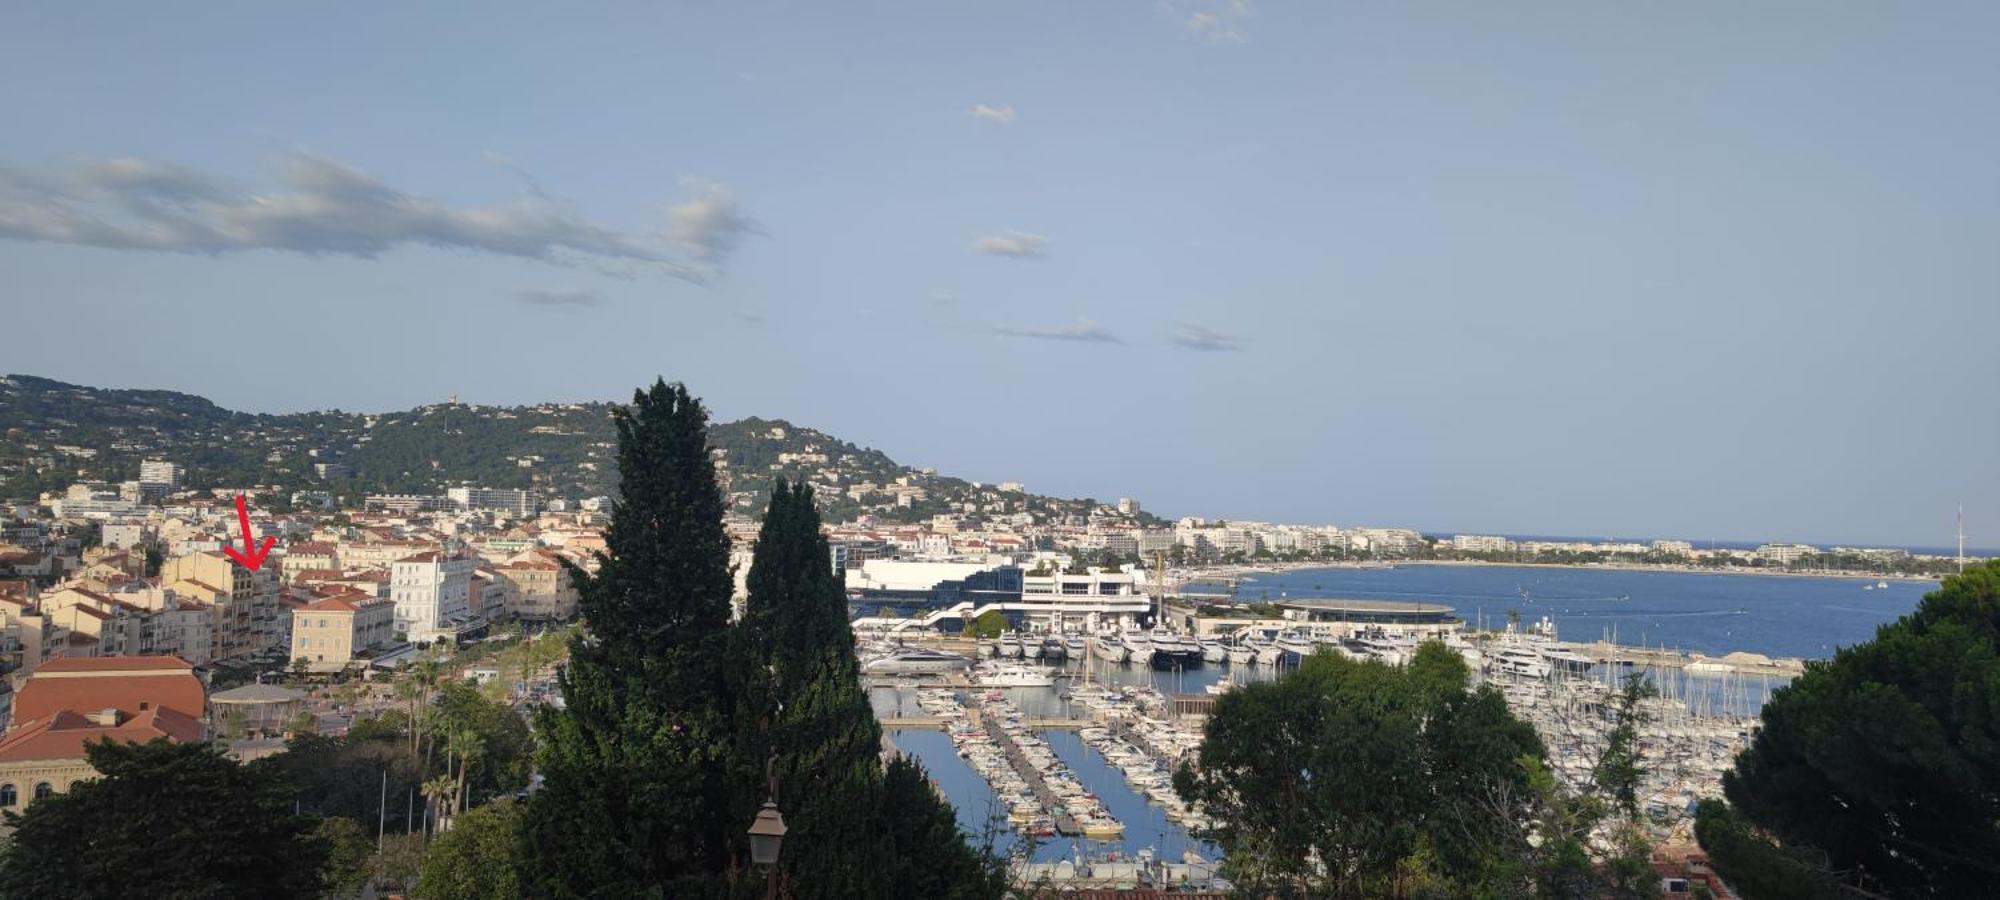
<point x="1065" y="825"/>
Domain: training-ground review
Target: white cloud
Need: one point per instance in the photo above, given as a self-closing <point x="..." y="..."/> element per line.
<point x="1000" y="115"/>
<point x="534" y="297"/>
<point x="1212" y="20"/>
<point x="1018" y="244"/>
<point x="1196" y="337"/>
<point x="322" y="206"/>
<point x="1081" y="330"/>
<point x="710" y="225"/>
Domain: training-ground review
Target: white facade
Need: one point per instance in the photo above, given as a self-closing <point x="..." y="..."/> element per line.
<point x="433" y="594"/>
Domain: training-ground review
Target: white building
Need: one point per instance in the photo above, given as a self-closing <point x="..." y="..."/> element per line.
<point x="1480" y="543"/>
<point x="518" y="503"/>
<point x="433" y="595"/>
<point x="1786" y="554"/>
<point x="160" y="471"/>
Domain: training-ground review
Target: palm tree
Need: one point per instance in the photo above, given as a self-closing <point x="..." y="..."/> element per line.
<point x="436" y="791"/>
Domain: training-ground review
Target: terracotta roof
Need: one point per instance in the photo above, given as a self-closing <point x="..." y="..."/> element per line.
<point x="63" y="733"/>
<point x="432" y="556"/>
<point x="119" y="682"/>
<point x="311" y="548"/>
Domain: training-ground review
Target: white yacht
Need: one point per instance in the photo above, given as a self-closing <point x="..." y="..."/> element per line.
<point x="916" y="661"/>
<point x="1010" y="647"/>
<point x="1213" y="651"/>
<point x="1293" y="647"/>
<point x="1514" y="659"/>
<point x="1031" y="648"/>
<point x="1242" y="654"/>
<point x="1111" y="649"/>
<point x="1076" y="646"/>
<point x="1017" y="675"/>
<point x="1139" y="648"/>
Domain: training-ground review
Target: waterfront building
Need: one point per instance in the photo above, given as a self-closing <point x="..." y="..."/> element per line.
<point x="342" y="628"/>
<point x="432" y="592"/>
<point x="1786" y="554"/>
<point x="1481" y="543"/>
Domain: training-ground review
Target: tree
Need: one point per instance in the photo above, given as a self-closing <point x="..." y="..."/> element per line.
<point x="478" y="858"/>
<point x="196" y="824"/>
<point x="498" y="742"/>
<point x="1883" y="761"/>
<point x="638" y="767"/>
<point x="990" y="624"/>
<point x="816" y="727"/>
<point x="350" y="857"/>
<point x="1351" y="778"/>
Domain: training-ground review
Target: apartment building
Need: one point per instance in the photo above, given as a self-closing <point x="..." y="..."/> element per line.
<point x="333" y="632"/>
<point x="243" y="605"/>
<point x="432" y="592"/>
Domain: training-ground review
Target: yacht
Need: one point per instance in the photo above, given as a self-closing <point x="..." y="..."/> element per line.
<point x="1017" y="675"/>
<point x="1171" y="651"/>
<point x="916" y="661"/>
<point x="1213" y="651"/>
<point x="1521" y="661"/>
<point x="1030" y="647"/>
<point x="1242" y="654"/>
<point x="1111" y="649"/>
<point x="1376" y="648"/>
<point x="1565" y="659"/>
<point x="1076" y="646"/>
<point x="1054" y="649"/>
<point x="1139" y="647"/>
<point x="1293" y="647"/>
<point x="1010" y="647"/>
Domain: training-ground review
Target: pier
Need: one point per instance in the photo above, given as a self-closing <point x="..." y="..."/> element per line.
<point x="1065" y="824"/>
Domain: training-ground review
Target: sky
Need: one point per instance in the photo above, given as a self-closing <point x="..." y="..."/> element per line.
<point x="1701" y="270"/>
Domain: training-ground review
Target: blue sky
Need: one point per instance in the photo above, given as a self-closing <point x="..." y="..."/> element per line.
<point x="1704" y="270"/>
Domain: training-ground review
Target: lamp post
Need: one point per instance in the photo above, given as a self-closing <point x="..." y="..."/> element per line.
<point x="767" y="832"/>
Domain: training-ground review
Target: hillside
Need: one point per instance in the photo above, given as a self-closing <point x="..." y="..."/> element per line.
<point x="53" y="434"/>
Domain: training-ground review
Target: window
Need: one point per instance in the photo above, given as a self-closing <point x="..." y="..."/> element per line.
<point x="8" y="795"/>
<point x="43" y="789"/>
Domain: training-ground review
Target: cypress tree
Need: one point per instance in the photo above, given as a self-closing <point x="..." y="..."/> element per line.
<point x="853" y="833"/>
<point x="638" y="767"/>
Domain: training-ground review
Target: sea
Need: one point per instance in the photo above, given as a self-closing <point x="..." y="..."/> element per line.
<point x="1776" y="615"/>
<point x="1714" y="614"/>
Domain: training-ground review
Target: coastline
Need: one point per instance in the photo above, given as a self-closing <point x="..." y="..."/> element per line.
<point x="1204" y="574"/>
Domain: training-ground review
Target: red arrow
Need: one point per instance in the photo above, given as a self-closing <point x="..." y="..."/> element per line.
<point x="251" y="556"/>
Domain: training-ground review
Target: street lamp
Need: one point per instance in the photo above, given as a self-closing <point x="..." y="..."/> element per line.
<point x="767" y="833"/>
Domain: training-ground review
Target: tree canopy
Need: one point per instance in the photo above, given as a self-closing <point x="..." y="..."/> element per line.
<point x="638" y="766"/>
<point x="1881" y="767"/>
<point x="168" y="820"/>
<point x="1344" y="777"/>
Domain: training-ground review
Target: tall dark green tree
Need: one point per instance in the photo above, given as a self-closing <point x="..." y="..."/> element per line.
<point x="164" y="820"/>
<point x="1884" y="761"/>
<point x="639" y="766"/>
<point x="853" y="833"/>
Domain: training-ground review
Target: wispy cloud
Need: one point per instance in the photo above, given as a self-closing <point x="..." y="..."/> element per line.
<point x="1211" y="20"/>
<point x="535" y="297"/>
<point x="999" y="115"/>
<point x="711" y="225"/>
<point x="747" y="318"/>
<point x="1017" y="244"/>
<point x="321" y="206"/>
<point x="1197" y="337"/>
<point x="1081" y="330"/>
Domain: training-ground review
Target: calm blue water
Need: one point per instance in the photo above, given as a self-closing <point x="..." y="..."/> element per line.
<point x="1712" y="614"/>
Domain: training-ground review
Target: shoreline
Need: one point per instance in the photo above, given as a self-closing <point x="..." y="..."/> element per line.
<point x="1200" y="575"/>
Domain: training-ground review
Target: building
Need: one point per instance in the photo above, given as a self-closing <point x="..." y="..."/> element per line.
<point x="432" y="592"/>
<point x="538" y="588"/>
<point x="513" y="502"/>
<point x="406" y="503"/>
<point x="163" y="473"/>
<point x="305" y="557"/>
<point x="1786" y="554"/>
<point x="243" y="605"/>
<point x="68" y="703"/>
<point x="344" y="628"/>
<point x="1480" y="543"/>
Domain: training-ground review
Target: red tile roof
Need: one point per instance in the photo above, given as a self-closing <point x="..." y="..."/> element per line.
<point x="124" y="683"/>
<point x="63" y="733"/>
